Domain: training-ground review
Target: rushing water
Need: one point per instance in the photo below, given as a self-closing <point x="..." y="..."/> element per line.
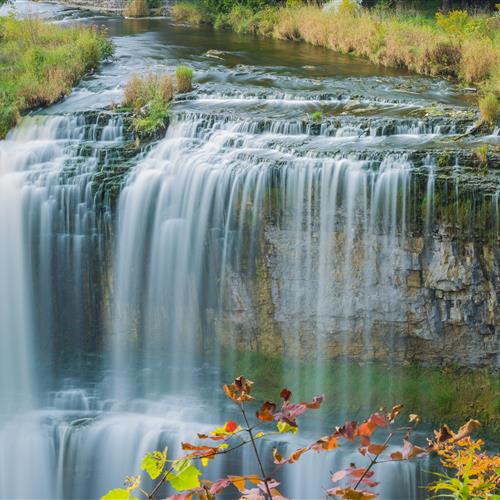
<point x="111" y="313"/>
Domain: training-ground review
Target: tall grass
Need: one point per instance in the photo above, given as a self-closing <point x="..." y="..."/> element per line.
<point x="455" y="45"/>
<point x="149" y="97"/>
<point x="136" y="8"/>
<point x="184" y="79"/>
<point x="40" y="63"/>
<point x="190" y="13"/>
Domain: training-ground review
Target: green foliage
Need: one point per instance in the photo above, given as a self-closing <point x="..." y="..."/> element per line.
<point x="118" y="494"/>
<point x="184" y="79"/>
<point x="317" y="116"/>
<point x="40" y="63"/>
<point x="186" y="476"/>
<point x="153" y="463"/>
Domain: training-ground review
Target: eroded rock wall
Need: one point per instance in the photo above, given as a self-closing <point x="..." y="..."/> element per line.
<point x="436" y="301"/>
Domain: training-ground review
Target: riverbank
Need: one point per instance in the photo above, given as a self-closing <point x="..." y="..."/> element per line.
<point x="40" y="63"/>
<point x="456" y="45"/>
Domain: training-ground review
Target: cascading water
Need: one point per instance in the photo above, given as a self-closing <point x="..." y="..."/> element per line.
<point x="247" y="227"/>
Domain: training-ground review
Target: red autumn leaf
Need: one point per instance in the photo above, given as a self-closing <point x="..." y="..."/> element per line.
<point x="378" y="419"/>
<point x="266" y="412"/>
<point x="397" y="455"/>
<point x="316" y="402"/>
<point x="219" y="485"/>
<point x="231" y="426"/>
<point x="366" y="429"/>
<point x="285" y="394"/>
<point x="348" y="430"/>
<point x="369" y="482"/>
<point x="338" y="476"/>
<point x="188" y="446"/>
<point x="358" y="472"/>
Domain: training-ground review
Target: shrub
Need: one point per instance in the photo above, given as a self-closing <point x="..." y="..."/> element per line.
<point x="136" y="8"/>
<point x="184" y="79"/>
<point x="189" y="12"/>
<point x="489" y="109"/>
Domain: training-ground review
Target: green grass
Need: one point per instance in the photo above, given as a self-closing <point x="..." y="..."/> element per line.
<point x="149" y="98"/>
<point x="184" y="79"/>
<point x="449" y="395"/>
<point x="41" y="62"/>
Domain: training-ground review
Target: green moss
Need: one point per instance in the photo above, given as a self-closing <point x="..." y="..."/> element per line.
<point x="450" y="395"/>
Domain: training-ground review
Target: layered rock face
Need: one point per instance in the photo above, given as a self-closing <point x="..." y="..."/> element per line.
<point x="98" y="5"/>
<point x="432" y="299"/>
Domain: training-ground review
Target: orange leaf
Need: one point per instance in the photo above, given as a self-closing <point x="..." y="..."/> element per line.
<point x="238" y="481"/>
<point x="377" y="449"/>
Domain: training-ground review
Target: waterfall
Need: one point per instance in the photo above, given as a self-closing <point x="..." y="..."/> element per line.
<point x="134" y="278"/>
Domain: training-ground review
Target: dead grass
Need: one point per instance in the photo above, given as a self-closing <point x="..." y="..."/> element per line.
<point x="489" y="108"/>
<point x="140" y="91"/>
<point x="136" y="8"/>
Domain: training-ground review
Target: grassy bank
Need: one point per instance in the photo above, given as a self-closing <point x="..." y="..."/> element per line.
<point x="40" y="63"/>
<point x="450" y="395"/>
<point x="457" y="45"/>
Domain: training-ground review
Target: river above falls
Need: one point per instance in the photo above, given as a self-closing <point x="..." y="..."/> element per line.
<point x="132" y="279"/>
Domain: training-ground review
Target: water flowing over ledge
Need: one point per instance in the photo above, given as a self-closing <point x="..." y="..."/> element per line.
<point x="132" y="276"/>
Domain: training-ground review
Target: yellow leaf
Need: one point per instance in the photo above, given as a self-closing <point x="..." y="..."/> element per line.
<point x="204" y="461"/>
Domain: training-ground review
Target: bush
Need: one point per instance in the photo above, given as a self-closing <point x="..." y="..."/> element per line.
<point x="136" y="8"/>
<point x="489" y="109"/>
<point x="184" y="79"/>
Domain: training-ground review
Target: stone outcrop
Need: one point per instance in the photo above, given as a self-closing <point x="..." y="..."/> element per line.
<point x="436" y="303"/>
<point x="115" y="6"/>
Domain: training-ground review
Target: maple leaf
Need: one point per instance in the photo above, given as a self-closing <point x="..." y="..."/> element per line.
<point x="239" y="391"/>
<point x="348" y="430"/>
<point x="266" y="412"/>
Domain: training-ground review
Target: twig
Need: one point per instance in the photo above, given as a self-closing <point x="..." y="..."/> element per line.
<point x="250" y="433"/>
<point x="158" y="486"/>
<point x="373" y="461"/>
